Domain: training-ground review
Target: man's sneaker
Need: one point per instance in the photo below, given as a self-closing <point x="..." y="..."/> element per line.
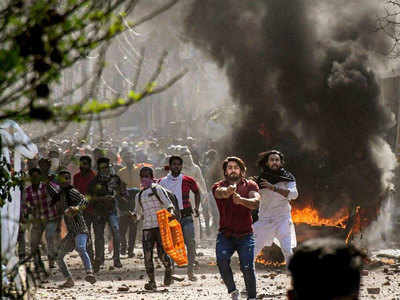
<point x="150" y="286"/>
<point x="68" y="284"/>
<point x="235" y="295"/>
<point x="90" y="278"/>
<point x="123" y="252"/>
<point x="117" y="264"/>
<point x="168" y="277"/>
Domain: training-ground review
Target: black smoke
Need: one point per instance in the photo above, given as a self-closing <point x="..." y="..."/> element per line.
<point x="301" y="73"/>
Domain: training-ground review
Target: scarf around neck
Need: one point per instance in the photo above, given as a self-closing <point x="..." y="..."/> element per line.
<point x="274" y="177"/>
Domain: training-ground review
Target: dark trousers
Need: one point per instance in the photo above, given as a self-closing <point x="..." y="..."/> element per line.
<point x="151" y="237"/>
<point x="21" y="241"/>
<point x="127" y="225"/>
<point x="89" y="220"/>
<point x="99" y="226"/>
<point x="50" y="228"/>
<point x="245" y="247"/>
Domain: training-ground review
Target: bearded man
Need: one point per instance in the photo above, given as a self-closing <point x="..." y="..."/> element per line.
<point x="277" y="189"/>
<point x="236" y="197"/>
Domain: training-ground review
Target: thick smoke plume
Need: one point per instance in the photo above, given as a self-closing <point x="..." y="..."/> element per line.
<point x="302" y="74"/>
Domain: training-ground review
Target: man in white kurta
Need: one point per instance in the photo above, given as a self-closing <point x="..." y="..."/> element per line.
<point x="277" y="189"/>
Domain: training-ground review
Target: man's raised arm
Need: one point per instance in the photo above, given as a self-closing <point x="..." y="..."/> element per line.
<point x="252" y="202"/>
<point x="225" y="192"/>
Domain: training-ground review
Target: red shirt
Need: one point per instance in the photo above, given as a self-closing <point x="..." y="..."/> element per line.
<point x="188" y="184"/>
<point x="235" y="219"/>
<point x="38" y="205"/>
<point x="81" y="183"/>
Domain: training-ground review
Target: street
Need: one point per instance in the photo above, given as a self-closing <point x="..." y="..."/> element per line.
<point x="381" y="281"/>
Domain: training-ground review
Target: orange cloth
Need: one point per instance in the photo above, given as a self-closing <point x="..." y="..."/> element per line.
<point x="172" y="238"/>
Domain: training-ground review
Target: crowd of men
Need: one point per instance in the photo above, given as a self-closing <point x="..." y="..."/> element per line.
<point x="83" y="189"/>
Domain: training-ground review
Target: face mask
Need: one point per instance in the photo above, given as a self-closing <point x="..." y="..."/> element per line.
<point x="146" y="182"/>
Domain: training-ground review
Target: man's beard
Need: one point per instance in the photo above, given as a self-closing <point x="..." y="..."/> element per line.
<point x="277" y="169"/>
<point x="176" y="172"/>
<point x="233" y="177"/>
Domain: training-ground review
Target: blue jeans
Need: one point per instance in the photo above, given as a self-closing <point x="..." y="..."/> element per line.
<point x="245" y="247"/>
<point x="188" y="235"/>
<point x="69" y="243"/>
<point x="99" y="225"/>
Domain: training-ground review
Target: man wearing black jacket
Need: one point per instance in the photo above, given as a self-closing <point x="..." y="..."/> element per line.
<point x="104" y="202"/>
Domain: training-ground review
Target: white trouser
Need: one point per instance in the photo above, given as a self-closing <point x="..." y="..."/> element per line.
<point x="281" y="228"/>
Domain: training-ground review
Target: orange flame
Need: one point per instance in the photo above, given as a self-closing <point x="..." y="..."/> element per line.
<point x="268" y="263"/>
<point x="309" y="215"/>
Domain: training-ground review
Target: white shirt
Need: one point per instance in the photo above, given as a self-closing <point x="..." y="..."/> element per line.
<point x="174" y="184"/>
<point x="150" y="205"/>
<point x="273" y="204"/>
